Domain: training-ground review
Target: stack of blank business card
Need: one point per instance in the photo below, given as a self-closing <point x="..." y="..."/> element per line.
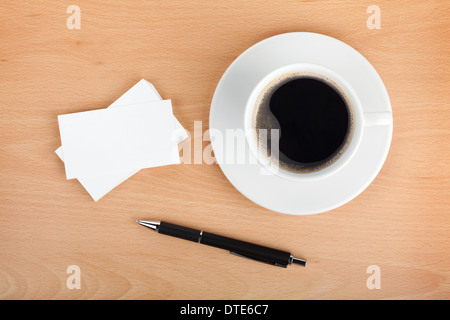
<point x="104" y="147"/>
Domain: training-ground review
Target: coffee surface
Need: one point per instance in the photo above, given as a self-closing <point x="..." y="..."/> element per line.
<point x="313" y="118"/>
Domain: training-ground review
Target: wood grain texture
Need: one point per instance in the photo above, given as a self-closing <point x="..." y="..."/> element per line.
<point x="400" y="222"/>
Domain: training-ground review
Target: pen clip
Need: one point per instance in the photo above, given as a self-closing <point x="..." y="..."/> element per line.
<point x="243" y="255"/>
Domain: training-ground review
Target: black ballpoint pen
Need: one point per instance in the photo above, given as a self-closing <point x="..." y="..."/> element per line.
<point x="241" y="248"/>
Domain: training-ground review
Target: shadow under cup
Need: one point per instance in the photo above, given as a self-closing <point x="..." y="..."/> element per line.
<point x="302" y="122"/>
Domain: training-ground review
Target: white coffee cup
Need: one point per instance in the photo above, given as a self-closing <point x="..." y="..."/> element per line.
<point x="361" y="120"/>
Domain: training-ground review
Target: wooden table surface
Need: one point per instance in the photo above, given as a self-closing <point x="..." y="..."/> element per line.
<point x="47" y="223"/>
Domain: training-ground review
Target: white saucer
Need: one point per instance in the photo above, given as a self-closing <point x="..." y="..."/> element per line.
<point x="302" y="197"/>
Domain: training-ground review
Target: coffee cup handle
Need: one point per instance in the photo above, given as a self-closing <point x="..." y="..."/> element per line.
<point x="377" y="119"/>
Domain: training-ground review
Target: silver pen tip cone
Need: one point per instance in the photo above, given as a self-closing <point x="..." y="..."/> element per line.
<point x="149" y="224"/>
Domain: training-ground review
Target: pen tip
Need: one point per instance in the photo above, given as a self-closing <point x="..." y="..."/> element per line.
<point x="149" y="224"/>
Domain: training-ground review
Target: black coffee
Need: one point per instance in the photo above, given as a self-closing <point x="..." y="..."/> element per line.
<point x="313" y="117"/>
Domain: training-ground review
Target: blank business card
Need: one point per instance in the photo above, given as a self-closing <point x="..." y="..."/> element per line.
<point x="143" y="91"/>
<point x="114" y="140"/>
